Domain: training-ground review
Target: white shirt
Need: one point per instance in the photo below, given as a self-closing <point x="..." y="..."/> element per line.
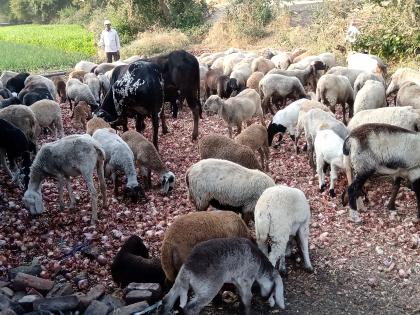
<point x="110" y="40"/>
<point x="352" y="34"/>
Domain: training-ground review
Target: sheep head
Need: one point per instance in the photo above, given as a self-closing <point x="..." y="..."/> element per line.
<point x="273" y="129"/>
<point x="33" y="201"/>
<point x="277" y="296"/>
<point x="168" y="182"/>
<point x="135" y="193"/>
<point x="213" y="103"/>
<point x="318" y="65"/>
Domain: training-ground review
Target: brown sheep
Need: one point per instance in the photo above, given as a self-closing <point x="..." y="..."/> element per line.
<point x="60" y="86"/>
<point x="96" y="123"/>
<point x="254" y="80"/>
<point x="210" y="81"/>
<point x="193" y="228"/>
<point x="77" y="74"/>
<point x="81" y="113"/>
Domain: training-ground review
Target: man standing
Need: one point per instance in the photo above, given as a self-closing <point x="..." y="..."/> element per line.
<point x="110" y="42"/>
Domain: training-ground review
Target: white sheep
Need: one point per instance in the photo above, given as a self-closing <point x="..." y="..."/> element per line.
<point x="277" y="85"/>
<point x="237" y="109"/>
<point x="329" y="149"/>
<point x="371" y="96"/>
<point x="401" y="76"/>
<point x="409" y="95"/>
<point x="350" y="74"/>
<point x="282" y="60"/>
<point x="230" y="61"/>
<point x="48" y="115"/>
<point x="118" y="156"/>
<point x="280" y="213"/>
<point x="333" y="90"/>
<point x="366" y="62"/>
<point x="70" y="156"/>
<point x="85" y="66"/>
<point x="226" y="185"/>
<point x="148" y="159"/>
<point x="6" y="75"/>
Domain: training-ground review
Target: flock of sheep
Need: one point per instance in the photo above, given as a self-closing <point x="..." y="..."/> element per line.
<point x="201" y="250"/>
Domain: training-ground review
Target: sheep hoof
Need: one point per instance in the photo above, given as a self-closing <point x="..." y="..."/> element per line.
<point x="322" y="188"/>
<point x="283" y="272"/>
<point x="332" y="193"/>
<point x="309" y="269"/>
<point x="354" y="216"/>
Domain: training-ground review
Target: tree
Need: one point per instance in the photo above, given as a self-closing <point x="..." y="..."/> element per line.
<point x="36" y="10"/>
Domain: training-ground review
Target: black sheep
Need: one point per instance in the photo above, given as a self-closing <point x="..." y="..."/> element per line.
<point x="5" y="93"/>
<point x="14" y="144"/>
<point x="17" y="83"/>
<point x="132" y="264"/>
<point x="9" y="101"/>
<point x="35" y="95"/>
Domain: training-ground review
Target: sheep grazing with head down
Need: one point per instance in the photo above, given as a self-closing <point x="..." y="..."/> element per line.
<point x="77" y="74"/>
<point x="118" y="156"/>
<point x="236" y="110"/>
<point x="279" y="86"/>
<point x="84" y="65"/>
<point x="77" y="91"/>
<point x="133" y="264"/>
<point x="370" y="96"/>
<point x="256" y="138"/>
<point x="329" y="149"/>
<point x="237" y="261"/>
<point x="280" y="213"/>
<point x="363" y="77"/>
<point x="401" y="76"/>
<point x="96" y="123"/>
<point x="35" y="79"/>
<point x="333" y="90"/>
<point x="262" y="64"/>
<point x="254" y="79"/>
<point x="73" y="155"/>
<point x="60" y="86"/>
<point x="148" y="159"/>
<point x="221" y="147"/>
<point x="193" y="228"/>
<point x="81" y="113"/>
<point x="409" y="95"/>
<point x="48" y="115"/>
<point x="226" y="185"/>
<point x="350" y="74"/>
<point x="381" y="149"/>
<point x="94" y="85"/>
<point x="366" y="62"/>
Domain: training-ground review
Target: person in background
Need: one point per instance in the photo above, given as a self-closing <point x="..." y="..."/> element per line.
<point x="110" y="42"/>
<point x="352" y="33"/>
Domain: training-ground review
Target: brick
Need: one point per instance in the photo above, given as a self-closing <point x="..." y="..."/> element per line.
<point x="60" y="289"/>
<point x="94" y="293"/>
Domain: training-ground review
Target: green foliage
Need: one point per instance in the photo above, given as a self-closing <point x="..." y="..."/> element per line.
<point x="187" y="13"/>
<point x="33" y="58"/>
<point x="250" y="17"/>
<point x="390" y="34"/>
<point x="67" y="38"/>
<point x="36" y="10"/>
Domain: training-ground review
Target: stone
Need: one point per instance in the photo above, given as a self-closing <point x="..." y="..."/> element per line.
<point x="8" y="311"/>
<point x="91" y="252"/>
<point x="23" y="280"/>
<point x="7" y="304"/>
<point x="113" y="302"/>
<point x="34" y="269"/>
<point x="96" y="308"/>
<point x="60" y="289"/>
<point x="138" y="296"/>
<point x="7" y="291"/>
<point x="154" y="287"/>
<point x="32" y="291"/>
<point x="61" y="303"/>
<point x="130" y="309"/>
<point x="27" y="302"/>
<point x="94" y="293"/>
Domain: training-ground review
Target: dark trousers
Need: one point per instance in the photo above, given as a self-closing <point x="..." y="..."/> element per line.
<point x="109" y="55"/>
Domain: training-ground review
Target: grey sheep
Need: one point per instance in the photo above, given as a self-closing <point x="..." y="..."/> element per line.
<point x="94" y="85"/>
<point x="333" y="90"/>
<point x="77" y="91"/>
<point x="363" y="77"/>
<point x="34" y="79"/>
<point x="409" y="95"/>
<point x="84" y="65"/>
<point x="401" y="76"/>
<point x="48" y="115"/>
<point x="371" y="96"/>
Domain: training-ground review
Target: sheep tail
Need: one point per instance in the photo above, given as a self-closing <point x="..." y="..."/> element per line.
<point x="346" y="146"/>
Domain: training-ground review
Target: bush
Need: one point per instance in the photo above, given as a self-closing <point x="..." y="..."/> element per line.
<point x="187" y="13"/>
<point x="155" y="42"/>
<point x="390" y="33"/>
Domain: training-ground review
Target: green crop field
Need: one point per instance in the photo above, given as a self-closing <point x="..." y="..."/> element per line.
<point x="44" y="47"/>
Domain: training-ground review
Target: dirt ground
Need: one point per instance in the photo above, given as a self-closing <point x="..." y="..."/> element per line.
<point x="371" y="268"/>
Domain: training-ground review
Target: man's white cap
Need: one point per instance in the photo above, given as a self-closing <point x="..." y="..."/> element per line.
<point x="106" y="22"/>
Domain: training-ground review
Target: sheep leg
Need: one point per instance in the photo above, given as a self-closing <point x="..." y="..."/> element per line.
<point x="416" y="188"/>
<point x="333" y="177"/>
<point x="277" y="254"/>
<point x="149" y="178"/>
<point x="269" y="105"/>
<point x="267" y="156"/>
<point x="261" y="153"/>
<point x="101" y="177"/>
<point x="244" y="286"/>
<point x="4" y="163"/>
<point x="395" y="189"/>
<point x="303" y="234"/>
<point x="114" y="178"/>
<point x="320" y="172"/>
<point x="60" y="192"/>
<point x="155" y="123"/>
<point x="163" y="120"/>
<point x="71" y="195"/>
<point x="203" y="296"/>
<point x="238" y="128"/>
<point x="93" y="197"/>
<point x="230" y="131"/>
<point x="343" y="106"/>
